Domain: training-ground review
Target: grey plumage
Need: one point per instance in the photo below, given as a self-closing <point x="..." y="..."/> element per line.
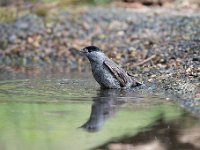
<point x="106" y="72"/>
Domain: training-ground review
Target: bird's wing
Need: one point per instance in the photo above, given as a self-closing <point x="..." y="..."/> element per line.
<point x="117" y="72"/>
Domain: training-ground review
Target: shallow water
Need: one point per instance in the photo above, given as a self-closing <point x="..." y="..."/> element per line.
<point x="71" y="112"/>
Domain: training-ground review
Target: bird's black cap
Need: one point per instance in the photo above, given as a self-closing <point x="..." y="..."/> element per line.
<point x="92" y="48"/>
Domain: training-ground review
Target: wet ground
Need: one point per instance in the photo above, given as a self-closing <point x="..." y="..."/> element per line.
<point x="69" y="111"/>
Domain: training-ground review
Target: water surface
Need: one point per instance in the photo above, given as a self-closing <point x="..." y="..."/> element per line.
<point x="71" y="112"/>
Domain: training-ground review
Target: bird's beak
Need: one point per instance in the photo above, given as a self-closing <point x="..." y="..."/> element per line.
<point x="83" y="51"/>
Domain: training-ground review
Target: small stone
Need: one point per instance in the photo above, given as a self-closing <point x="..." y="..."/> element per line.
<point x="189" y="70"/>
<point x="153" y="75"/>
<point x="12" y="38"/>
<point x="197" y="95"/>
<point x="36" y="44"/>
<point x="30" y="40"/>
<point x="120" y="33"/>
<point x="196" y="59"/>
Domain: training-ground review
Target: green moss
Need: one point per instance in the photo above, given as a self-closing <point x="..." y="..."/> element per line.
<point x="41" y="11"/>
<point x="7" y="14"/>
<point x="3" y="43"/>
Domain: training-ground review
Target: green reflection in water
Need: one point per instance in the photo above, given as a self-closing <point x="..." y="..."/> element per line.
<point x="51" y="126"/>
<point x="47" y="115"/>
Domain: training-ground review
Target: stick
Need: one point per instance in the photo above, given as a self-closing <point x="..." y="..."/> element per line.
<point x="144" y="61"/>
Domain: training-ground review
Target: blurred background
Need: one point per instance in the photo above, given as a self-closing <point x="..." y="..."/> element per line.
<point x="50" y="32"/>
<point x="143" y="36"/>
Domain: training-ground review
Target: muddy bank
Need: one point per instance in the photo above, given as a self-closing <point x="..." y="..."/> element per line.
<point x="159" y="46"/>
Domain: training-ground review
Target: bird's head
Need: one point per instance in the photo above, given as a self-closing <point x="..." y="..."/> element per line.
<point x="94" y="54"/>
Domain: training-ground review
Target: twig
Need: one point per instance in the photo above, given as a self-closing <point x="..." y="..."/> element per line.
<point x="144" y="61"/>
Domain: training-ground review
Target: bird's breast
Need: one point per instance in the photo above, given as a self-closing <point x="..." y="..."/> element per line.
<point x="103" y="76"/>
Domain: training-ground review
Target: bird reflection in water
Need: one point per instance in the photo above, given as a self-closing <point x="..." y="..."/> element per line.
<point x="178" y="133"/>
<point x="104" y="106"/>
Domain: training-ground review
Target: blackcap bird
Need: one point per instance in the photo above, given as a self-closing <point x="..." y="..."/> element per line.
<point x="106" y="72"/>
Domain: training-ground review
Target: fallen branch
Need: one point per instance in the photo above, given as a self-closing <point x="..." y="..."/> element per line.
<point x="144" y="61"/>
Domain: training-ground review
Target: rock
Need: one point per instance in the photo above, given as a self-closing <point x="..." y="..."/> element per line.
<point x="197" y="58"/>
<point x="12" y="38"/>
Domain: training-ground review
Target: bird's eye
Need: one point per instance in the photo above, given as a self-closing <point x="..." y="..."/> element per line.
<point x="89" y="50"/>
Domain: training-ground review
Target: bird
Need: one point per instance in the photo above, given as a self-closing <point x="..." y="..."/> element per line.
<point x="106" y="72"/>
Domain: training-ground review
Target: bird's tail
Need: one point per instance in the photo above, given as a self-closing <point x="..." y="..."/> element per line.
<point x="135" y="83"/>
